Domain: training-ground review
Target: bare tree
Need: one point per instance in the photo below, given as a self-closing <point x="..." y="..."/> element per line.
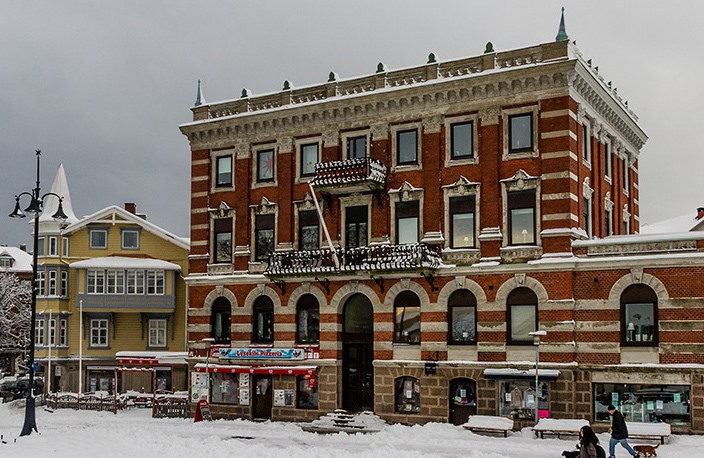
<point x="15" y="313"/>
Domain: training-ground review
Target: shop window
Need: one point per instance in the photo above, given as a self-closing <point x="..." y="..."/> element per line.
<point x="223" y="388"/>
<point x="307" y="392"/>
<point x="517" y="399"/>
<point x="521" y="217"/>
<point x="520" y="133"/>
<point x="407" y="147"/>
<point x="223" y="171"/>
<point x="265" y="166"/>
<point x="407" y="322"/>
<point x="307" y="319"/>
<point x="263" y="320"/>
<point x="462" y="312"/>
<point x="522" y="309"/>
<point x="308" y="230"/>
<point x="222" y="238"/>
<point x="407" y="395"/>
<point x="462" y="222"/>
<point x="264" y="235"/>
<point x="220" y="321"/>
<point x="407" y="222"/>
<point x="644" y="403"/>
<point x="639" y="316"/>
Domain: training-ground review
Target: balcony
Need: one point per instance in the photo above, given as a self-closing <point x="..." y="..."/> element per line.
<point x="382" y="258"/>
<point x="351" y="175"/>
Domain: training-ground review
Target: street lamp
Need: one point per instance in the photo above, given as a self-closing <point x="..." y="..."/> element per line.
<point x="536" y="341"/>
<point x="208" y="342"/>
<point x="34" y="210"/>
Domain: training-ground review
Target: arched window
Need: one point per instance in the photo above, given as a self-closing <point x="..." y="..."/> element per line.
<point x="220" y="320"/>
<point x="407" y="318"/>
<point x="307" y="319"/>
<point x="462" y="317"/>
<point x="522" y="310"/>
<point x="639" y="316"/>
<point x="263" y="320"/>
<point x="407" y="395"/>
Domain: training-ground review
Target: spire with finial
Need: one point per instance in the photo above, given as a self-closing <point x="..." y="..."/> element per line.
<point x="200" y="100"/>
<point x="562" y="33"/>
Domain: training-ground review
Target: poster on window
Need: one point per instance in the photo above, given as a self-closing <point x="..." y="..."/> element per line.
<point x="199" y="385"/>
<point x="244" y="396"/>
<point x="244" y="380"/>
<point x="279" y="400"/>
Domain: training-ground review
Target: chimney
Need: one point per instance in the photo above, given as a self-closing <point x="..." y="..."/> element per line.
<point x="700" y="212"/>
<point x="23" y="247"/>
<point x="131" y="207"/>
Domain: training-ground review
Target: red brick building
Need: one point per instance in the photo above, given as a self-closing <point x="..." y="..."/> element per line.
<point x="468" y="203"/>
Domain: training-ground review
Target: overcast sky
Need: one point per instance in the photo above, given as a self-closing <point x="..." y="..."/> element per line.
<point x="102" y="86"/>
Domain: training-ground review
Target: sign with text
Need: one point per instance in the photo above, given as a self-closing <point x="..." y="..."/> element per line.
<point x="281" y="354"/>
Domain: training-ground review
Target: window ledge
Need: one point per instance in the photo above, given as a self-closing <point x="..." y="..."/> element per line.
<point x="521" y="253"/>
<point x="461" y="256"/>
<point x="220" y="268"/>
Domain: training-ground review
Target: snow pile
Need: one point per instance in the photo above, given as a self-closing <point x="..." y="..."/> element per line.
<point x="341" y="421"/>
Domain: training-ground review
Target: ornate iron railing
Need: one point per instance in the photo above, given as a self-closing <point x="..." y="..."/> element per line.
<point x="414" y="256"/>
<point x="350" y="171"/>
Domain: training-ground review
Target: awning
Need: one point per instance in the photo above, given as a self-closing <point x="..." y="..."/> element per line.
<point x="510" y="373"/>
<point x="154" y="358"/>
<point x="257" y="370"/>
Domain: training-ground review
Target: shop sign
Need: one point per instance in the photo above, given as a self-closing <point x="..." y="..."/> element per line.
<point x="281" y="354"/>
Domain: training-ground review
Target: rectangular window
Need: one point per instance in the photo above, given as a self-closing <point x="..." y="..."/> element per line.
<point x="96" y="282"/>
<point x="6" y="262"/>
<point x="99" y="332"/>
<point x="407" y="222"/>
<point x="52" y="282"/>
<point x="130" y="239"/>
<point x="587" y="216"/>
<point x="63" y="332"/>
<point x="586" y="144"/>
<point x="157" y="333"/>
<point x="640" y="321"/>
<point x="523" y="321"/>
<point x="223" y="171"/>
<point x="357" y="147"/>
<point x="356" y="226"/>
<point x="52" y="332"/>
<point x="64" y="246"/>
<point x="517" y="398"/>
<point x="407" y="147"/>
<point x="155" y="282"/>
<point x="40" y="246"/>
<point x="116" y="282"/>
<point x="40" y="283"/>
<point x="607" y="161"/>
<point x="139" y="287"/>
<point x="309" y="157"/>
<point x="609" y="222"/>
<point x="307" y="392"/>
<point x="64" y="283"/>
<point x="53" y="246"/>
<point x="264" y="235"/>
<point x="521" y="217"/>
<point x="222" y="234"/>
<point x="98" y="238"/>
<point x="39" y="331"/>
<point x="462" y="140"/>
<point x="224" y="388"/>
<point x="407" y="395"/>
<point x="131" y="282"/>
<point x="626" y="184"/>
<point x="462" y="222"/>
<point x="308" y="230"/>
<point x="520" y="134"/>
<point x="463" y="324"/>
<point x="265" y="165"/>
<point x="669" y="404"/>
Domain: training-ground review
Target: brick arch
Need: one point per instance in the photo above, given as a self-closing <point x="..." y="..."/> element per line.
<point x="342" y="294"/>
<point x="306" y="288"/>
<point x="216" y="293"/>
<point x="458" y="284"/>
<point x="263" y="290"/>
<point x="638" y="278"/>
<point x="406" y="285"/>
<point x="520" y="281"/>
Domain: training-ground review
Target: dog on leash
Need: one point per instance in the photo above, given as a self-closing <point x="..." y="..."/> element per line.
<point x="646" y="450"/>
<point x="571" y="453"/>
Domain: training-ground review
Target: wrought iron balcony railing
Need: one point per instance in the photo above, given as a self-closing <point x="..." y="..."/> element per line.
<point x="349" y="175"/>
<point x="414" y="256"/>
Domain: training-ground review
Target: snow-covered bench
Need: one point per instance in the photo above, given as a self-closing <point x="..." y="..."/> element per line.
<point x="654" y="431"/>
<point x="489" y="424"/>
<point x="558" y="426"/>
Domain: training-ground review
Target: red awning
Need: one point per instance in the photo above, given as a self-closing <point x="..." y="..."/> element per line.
<point x="142" y="361"/>
<point x="257" y="370"/>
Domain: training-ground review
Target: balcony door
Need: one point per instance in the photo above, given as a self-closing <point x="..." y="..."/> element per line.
<point x="358" y="354"/>
<point x="356" y="226"/>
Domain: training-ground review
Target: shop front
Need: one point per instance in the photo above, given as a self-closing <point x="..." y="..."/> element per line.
<point x="517" y="395"/>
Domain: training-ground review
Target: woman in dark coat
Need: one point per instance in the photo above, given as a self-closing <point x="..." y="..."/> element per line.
<point x="587" y="442"/>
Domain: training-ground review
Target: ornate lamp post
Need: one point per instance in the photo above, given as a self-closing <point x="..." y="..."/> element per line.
<point x="34" y="210"/>
<point x="536" y="341"/>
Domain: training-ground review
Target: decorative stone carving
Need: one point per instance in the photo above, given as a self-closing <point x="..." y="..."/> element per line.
<point x="520" y="279"/>
<point x="637" y="274"/>
<point x="520" y="180"/>
<point x="265" y="207"/>
<point x="514" y="254"/>
<point x="649" y="247"/>
<point x="407" y="192"/>
<point x="626" y="213"/>
<point x="222" y="211"/>
<point x="587" y="190"/>
<point x="379" y="131"/>
<point x="331" y="138"/>
<point x="489" y="116"/>
<point x="461" y="187"/>
<point x="608" y="203"/>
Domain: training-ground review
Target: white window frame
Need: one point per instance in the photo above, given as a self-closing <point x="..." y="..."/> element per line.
<point x="53" y="246"/>
<point x="505" y="115"/>
<point x="39" y="330"/>
<point x="406" y="193"/>
<point x="155" y="282"/>
<point x="255" y="168"/>
<point x="63" y="292"/>
<point x="40" y="285"/>
<point x="217" y="157"/>
<point x="98" y="326"/>
<point x="395" y="129"/>
<point x="64" y="246"/>
<point x="63" y="332"/>
<point x="521" y="181"/>
<point x="608" y="161"/>
<point x="52" y="332"/>
<point x="53" y="282"/>
<point x="95" y="281"/>
<point x="122" y="239"/>
<point x="299" y="144"/>
<point x="345" y="136"/>
<point x="160" y="329"/>
<point x="587" y="143"/>
<point x="626" y="175"/>
<point x="449" y="122"/>
<point x="91" y="241"/>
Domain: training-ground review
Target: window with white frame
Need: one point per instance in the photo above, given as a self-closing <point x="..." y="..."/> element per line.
<point x="223" y="171"/>
<point x="99" y="328"/>
<point x="521" y="217"/>
<point x="53" y="246"/>
<point x="607" y="160"/>
<point x="157" y="333"/>
<point x="462" y="140"/>
<point x="39" y="331"/>
<point x="266" y="160"/>
<point x="63" y="332"/>
<point x="96" y="281"/>
<point x="40" y="282"/>
<point x="6" y="262"/>
<point x="52" y="282"/>
<point x="64" y="283"/>
<point x="462" y="210"/>
<point x="356" y="146"/>
<point x="309" y="156"/>
<point x="522" y="311"/>
<point x="135" y="282"/>
<point x="130" y="239"/>
<point x="52" y="332"/>
<point x="407" y="147"/>
<point x="520" y="133"/>
<point x="586" y="143"/>
<point x="64" y="246"/>
<point x="155" y="282"/>
<point x="625" y="178"/>
<point x="98" y="238"/>
<point x="39" y="248"/>
<point x="407" y="222"/>
<point x="116" y="282"/>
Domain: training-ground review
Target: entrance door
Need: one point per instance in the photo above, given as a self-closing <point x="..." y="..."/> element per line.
<point x="262" y="397"/>
<point x="463" y="400"/>
<point x="358" y="354"/>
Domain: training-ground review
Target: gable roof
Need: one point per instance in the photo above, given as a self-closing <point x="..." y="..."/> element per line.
<point x="23" y="260"/>
<point x="113" y="214"/>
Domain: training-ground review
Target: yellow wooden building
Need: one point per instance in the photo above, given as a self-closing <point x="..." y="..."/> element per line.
<point x="111" y="295"/>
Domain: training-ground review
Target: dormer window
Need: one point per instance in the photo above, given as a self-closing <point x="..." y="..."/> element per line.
<point x="6" y="262"/>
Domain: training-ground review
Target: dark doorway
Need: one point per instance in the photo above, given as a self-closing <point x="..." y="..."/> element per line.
<point x="358" y="354"/>
<point x="262" y="397"/>
<point x="463" y="400"/>
<point x="356" y="226"/>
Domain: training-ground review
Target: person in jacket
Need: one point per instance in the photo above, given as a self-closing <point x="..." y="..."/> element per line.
<point x="619" y="433"/>
<point x="587" y="442"/>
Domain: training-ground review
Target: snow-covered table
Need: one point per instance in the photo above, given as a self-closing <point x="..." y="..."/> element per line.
<point x="489" y="423"/>
<point x="558" y="426"/>
<point x="654" y="431"/>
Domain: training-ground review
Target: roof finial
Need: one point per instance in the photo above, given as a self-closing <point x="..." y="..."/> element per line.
<point x="200" y="100"/>
<point x="562" y="33"/>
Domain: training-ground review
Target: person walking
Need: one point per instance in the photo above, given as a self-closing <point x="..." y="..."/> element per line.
<point x="619" y="433"/>
<point x="588" y="443"/>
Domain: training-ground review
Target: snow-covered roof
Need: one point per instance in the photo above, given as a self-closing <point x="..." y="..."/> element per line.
<point x="51" y="203"/>
<point x="510" y="372"/>
<point x="22" y="259"/>
<point x="682" y="223"/>
<point x="121" y="262"/>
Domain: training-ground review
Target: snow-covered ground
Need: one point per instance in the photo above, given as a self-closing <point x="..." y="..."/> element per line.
<point x="134" y="434"/>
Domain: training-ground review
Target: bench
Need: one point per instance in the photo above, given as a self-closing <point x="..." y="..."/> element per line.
<point x="557" y="427"/>
<point x="651" y="431"/>
<point x="489" y="424"/>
